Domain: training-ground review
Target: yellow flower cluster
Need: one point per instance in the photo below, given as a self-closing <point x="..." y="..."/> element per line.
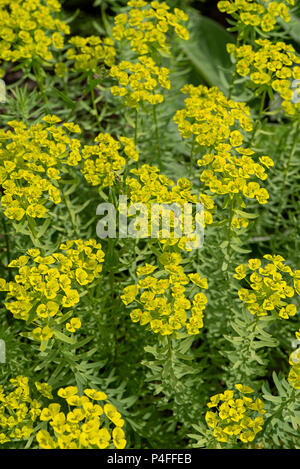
<point x="103" y="161"/>
<point x="272" y="64"/>
<point x="42" y="293"/>
<point x="213" y="121"/>
<point x="270" y="287"/>
<point x="230" y="168"/>
<point x="152" y="187"/>
<point x="294" y="360"/>
<point x="18" y="411"/>
<point x="235" y="417"/>
<point x="30" y="30"/>
<point x="87" y="424"/>
<point x="31" y="162"/>
<point x="146" y="26"/>
<point x="167" y="300"/>
<point x="212" y="118"/>
<point x="90" y="52"/>
<point x="138" y="81"/>
<point x="259" y="14"/>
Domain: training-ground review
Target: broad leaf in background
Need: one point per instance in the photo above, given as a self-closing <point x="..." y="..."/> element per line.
<point x="293" y="27"/>
<point x="206" y="50"/>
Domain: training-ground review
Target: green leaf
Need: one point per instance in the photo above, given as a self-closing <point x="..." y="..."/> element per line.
<point x="206" y="50"/>
<point x="44" y="227"/>
<point x="246" y="214"/>
<point x="65" y="317"/>
<point x="293" y="27"/>
<point x="65" y="98"/>
<point x="63" y="337"/>
<point x="240" y="250"/>
<point x="278" y="385"/>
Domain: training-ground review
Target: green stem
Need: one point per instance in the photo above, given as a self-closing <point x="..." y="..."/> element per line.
<point x="33" y="234"/>
<point x="170" y="362"/>
<point x="229" y="239"/>
<point x="113" y="295"/>
<point x="39" y="80"/>
<point x="136" y="128"/>
<point x="235" y="74"/>
<point x="156" y="134"/>
<point x="6" y="237"/>
<point x="71" y="215"/>
<point x="112" y="266"/>
<point x="94" y="104"/>
<point x="192" y="155"/>
<point x="258" y="120"/>
<point x="231" y="87"/>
